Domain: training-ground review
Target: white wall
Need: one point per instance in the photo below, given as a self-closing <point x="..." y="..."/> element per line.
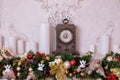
<point x="92" y="19"/>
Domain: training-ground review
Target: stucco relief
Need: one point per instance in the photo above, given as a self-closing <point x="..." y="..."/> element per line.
<point x="60" y="9"/>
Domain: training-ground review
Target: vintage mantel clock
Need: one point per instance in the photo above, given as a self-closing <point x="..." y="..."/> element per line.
<point x="66" y="38"/>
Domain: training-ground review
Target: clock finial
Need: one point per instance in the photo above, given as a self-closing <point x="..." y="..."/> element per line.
<point x="65" y="21"/>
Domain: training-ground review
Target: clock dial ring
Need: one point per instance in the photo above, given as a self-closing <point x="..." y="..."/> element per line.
<point x="66" y="36"/>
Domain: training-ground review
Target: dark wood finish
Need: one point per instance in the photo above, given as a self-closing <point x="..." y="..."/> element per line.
<point x="65" y="47"/>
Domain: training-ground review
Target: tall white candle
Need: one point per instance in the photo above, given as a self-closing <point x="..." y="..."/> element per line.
<point x="104" y="44"/>
<point x="92" y="48"/>
<point x="12" y="44"/>
<point x="44" y="38"/>
<point x="20" y="47"/>
<point x="1" y="42"/>
<point x="27" y="47"/>
<point x="115" y="48"/>
<point x="31" y="46"/>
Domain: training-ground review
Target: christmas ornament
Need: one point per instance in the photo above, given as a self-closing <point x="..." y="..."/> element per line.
<point x="82" y="74"/>
<point x="74" y="72"/>
<point x="72" y="62"/>
<point x="18" y="74"/>
<point x="40" y="67"/>
<point x="30" y="69"/>
<point x="109" y="58"/>
<point x="47" y="58"/>
<point x="67" y="65"/>
<point x="82" y="63"/>
<point x="29" y="56"/>
<point x="78" y="69"/>
<point x="18" y="68"/>
<point x="70" y="74"/>
<point x="19" y="63"/>
<point x="42" y="61"/>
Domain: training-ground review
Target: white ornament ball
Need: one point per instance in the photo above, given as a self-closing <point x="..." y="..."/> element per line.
<point x="67" y="65"/>
<point x="18" y="68"/>
<point x="18" y="74"/>
<point x="30" y="69"/>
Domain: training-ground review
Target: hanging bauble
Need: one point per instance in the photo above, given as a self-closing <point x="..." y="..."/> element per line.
<point x="19" y="63"/>
<point x="29" y="56"/>
<point x="74" y="72"/>
<point x="42" y="61"/>
<point x="47" y="58"/>
<point x="73" y="62"/>
<point x="82" y="74"/>
<point x="109" y="58"/>
<point x="70" y="74"/>
<point x="30" y="69"/>
<point x="67" y="65"/>
<point x="18" y="74"/>
<point x="78" y="69"/>
<point x="18" y="68"/>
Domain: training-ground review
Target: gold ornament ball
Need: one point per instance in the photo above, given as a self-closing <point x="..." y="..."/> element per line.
<point x="18" y="68"/>
<point x="82" y="74"/>
<point x="19" y="63"/>
<point x="18" y="74"/>
<point x="47" y="58"/>
<point x="109" y="58"/>
<point x="78" y="69"/>
<point x="30" y="69"/>
<point x="42" y="61"/>
<point x="67" y="65"/>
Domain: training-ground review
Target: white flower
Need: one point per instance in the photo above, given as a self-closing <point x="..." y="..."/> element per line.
<point x="7" y="68"/>
<point x="40" y="67"/>
<point x="82" y="63"/>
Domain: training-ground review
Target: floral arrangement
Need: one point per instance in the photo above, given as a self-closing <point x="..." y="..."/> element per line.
<point x="38" y="66"/>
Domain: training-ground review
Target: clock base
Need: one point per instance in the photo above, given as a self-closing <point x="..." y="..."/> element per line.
<point x="60" y="52"/>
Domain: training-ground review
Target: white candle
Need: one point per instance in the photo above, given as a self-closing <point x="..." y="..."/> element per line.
<point x="12" y="44"/>
<point x="1" y="42"/>
<point x="31" y="46"/>
<point x="20" y="47"/>
<point x="27" y="47"/>
<point x="92" y="48"/>
<point x="44" y="38"/>
<point x="104" y="44"/>
<point x="115" y="48"/>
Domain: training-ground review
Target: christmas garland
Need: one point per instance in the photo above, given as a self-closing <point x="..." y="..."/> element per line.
<point x="38" y="66"/>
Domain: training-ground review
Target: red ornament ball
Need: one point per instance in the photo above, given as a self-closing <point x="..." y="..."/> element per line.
<point x="29" y="56"/>
<point x="73" y="62"/>
<point x="74" y="72"/>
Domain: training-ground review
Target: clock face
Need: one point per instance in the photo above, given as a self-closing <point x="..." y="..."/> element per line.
<point x="66" y="36"/>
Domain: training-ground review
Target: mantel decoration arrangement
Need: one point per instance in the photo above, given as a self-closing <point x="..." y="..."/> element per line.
<point x="38" y="66"/>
